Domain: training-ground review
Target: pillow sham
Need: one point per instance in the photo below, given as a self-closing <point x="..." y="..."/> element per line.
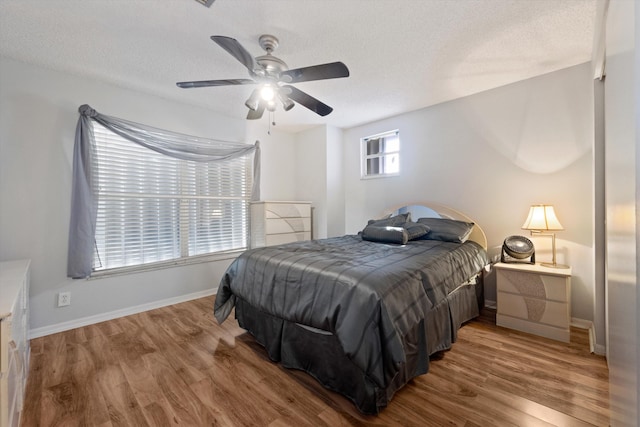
<point x="447" y="230"/>
<point x="382" y="234"/>
<point x="415" y="230"/>
<point x="393" y="221"/>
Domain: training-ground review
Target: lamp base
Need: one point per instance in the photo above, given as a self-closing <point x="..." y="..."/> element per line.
<point x="551" y="265"/>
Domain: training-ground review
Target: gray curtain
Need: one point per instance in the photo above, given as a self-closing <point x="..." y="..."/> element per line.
<point x="84" y="197"/>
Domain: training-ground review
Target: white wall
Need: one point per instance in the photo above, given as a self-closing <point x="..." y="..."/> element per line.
<point x="622" y="187"/>
<point x="38" y="115"/>
<point x="492" y="155"/>
<point x="310" y="177"/>
<point x="319" y="178"/>
<point x="278" y="160"/>
<point x="335" y="182"/>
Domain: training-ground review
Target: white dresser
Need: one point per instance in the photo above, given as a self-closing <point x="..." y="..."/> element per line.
<point x="14" y="341"/>
<point x="534" y="299"/>
<point x="278" y="222"/>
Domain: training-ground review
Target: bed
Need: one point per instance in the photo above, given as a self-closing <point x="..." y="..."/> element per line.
<point x="362" y="313"/>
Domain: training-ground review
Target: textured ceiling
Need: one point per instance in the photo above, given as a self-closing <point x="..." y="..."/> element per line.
<point x="402" y="54"/>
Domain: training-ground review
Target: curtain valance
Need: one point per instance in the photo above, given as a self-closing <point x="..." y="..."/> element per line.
<point x="84" y="200"/>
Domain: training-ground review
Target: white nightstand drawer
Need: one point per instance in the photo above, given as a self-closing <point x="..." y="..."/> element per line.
<point x="553" y="332"/>
<point x="534" y="299"/>
<point x="533" y="284"/>
<point x="534" y="309"/>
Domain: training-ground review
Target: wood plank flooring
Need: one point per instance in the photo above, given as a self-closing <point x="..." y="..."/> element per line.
<point x="177" y="366"/>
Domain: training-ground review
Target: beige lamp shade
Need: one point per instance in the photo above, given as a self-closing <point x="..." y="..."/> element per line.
<point x="542" y="218"/>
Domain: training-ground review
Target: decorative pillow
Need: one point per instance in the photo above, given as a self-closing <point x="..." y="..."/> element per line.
<point x="447" y="230"/>
<point x="415" y="230"/>
<point x="393" y="221"/>
<point x="380" y="234"/>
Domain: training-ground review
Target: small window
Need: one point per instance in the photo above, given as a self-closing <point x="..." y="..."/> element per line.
<point x="381" y="155"/>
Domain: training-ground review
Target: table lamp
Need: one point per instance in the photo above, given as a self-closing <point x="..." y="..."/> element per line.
<point x="542" y="220"/>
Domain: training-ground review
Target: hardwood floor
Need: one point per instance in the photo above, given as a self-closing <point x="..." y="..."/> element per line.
<point x="177" y="366"/>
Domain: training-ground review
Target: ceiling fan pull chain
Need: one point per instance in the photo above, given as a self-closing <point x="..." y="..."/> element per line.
<point x="271" y="121"/>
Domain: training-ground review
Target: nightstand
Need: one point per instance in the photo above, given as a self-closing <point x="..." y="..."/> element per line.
<point x="534" y="299"/>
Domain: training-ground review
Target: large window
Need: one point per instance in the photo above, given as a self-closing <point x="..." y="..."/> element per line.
<point x="153" y="208"/>
<point x="381" y="155"/>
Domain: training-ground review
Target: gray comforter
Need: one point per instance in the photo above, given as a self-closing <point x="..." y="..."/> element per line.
<point x="369" y="295"/>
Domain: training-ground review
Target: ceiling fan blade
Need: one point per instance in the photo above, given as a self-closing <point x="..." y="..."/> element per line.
<point x="206" y="83"/>
<point x="333" y="70"/>
<point x="308" y="101"/>
<point x="237" y="51"/>
<point x="254" y="115"/>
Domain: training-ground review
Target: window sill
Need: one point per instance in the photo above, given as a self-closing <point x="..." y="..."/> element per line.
<point x="134" y="269"/>
<point x="386" y="175"/>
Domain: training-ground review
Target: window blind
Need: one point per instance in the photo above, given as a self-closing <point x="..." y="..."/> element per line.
<point x="154" y="208"/>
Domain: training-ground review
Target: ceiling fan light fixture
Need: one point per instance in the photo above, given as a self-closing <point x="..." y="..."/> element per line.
<point x="271" y="105"/>
<point x="287" y="103"/>
<point x="253" y="101"/>
<point x="267" y="93"/>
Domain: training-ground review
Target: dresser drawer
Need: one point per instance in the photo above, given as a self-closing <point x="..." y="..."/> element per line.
<point x="534" y="309"/>
<point x="14" y="342"/>
<point x="281" y="239"/>
<point x="279" y="222"/>
<point x="6" y="337"/>
<point x="14" y="378"/>
<point x="287" y="225"/>
<point x="287" y="210"/>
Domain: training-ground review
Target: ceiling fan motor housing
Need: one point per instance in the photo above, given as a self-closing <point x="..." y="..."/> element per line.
<point x="272" y="65"/>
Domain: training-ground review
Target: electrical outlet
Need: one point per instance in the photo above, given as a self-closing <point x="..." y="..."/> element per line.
<point x="64" y="299"/>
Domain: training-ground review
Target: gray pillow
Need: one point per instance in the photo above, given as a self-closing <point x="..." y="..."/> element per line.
<point x="380" y="234"/>
<point x="447" y="230"/>
<point x="415" y="230"/>
<point x="393" y="221"/>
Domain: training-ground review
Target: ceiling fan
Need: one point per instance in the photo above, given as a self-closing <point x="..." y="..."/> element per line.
<point x="273" y="77"/>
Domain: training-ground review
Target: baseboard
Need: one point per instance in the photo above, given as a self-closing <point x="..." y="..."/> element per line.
<point x="90" y="320"/>
<point x="600" y="350"/>
<point x="588" y="324"/>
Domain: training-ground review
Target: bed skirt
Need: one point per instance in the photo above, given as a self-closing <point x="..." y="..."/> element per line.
<point x="320" y="354"/>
